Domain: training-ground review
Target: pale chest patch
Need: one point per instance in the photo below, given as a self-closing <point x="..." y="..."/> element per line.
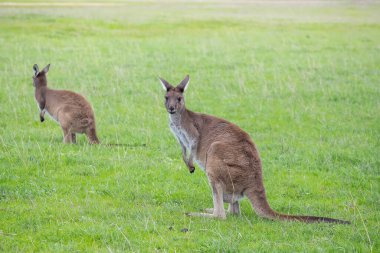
<point x="183" y="136"/>
<point x="180" y="133"/>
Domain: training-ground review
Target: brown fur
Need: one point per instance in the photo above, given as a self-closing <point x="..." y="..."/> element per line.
<point x="228" y="156"/>
<point x="71" y="110"/>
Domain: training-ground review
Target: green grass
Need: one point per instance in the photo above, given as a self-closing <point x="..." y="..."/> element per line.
<point x="301" y="79"/>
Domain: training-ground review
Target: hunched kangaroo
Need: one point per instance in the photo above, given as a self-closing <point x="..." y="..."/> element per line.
<point x="71" y="110"/>
<point x="228" y="156"/>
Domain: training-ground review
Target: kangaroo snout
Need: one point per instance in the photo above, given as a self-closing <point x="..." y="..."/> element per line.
<point x="171" y="110"/>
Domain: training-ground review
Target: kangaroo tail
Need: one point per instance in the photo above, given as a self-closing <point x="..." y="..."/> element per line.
<point x="261" y="206"/>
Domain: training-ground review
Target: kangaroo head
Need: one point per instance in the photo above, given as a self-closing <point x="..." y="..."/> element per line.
<point x="174" y="99"/>
<point x="39" y="78"/>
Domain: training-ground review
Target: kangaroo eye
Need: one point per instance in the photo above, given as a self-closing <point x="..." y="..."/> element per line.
<point x="179" y="99"/>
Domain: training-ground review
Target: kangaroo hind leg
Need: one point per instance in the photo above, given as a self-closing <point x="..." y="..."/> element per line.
<point x="218" y="210"/>
<point x="74" y="137"/>
<point x="214" y="166"/>
<point x="91" y="136"/>
<point x="234" y="208"/>
<point x="67" y="136"/>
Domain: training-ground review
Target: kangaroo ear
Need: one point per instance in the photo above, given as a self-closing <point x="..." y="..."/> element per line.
<point x="165" y="84"/>
<point x="184" y="83"/>
<point x="35" y="68"/>
<point x="46" y="69"/>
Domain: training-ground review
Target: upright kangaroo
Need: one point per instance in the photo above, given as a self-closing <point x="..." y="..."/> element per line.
<point x="71" y="110"/>
<point x="228" y="156"/>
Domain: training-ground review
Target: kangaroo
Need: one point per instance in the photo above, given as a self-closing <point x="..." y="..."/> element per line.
<point x="228" y="156"/>
<point x="71" y="110"/>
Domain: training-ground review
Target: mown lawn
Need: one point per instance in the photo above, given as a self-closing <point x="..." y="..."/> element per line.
<point x="301" y="78"/>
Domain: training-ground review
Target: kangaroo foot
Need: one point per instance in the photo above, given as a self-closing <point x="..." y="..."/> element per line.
<point x="208" y="210"/>
<point x="207" y="215"/>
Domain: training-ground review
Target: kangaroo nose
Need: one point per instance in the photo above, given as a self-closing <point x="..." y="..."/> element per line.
<point x="171" y="108"/>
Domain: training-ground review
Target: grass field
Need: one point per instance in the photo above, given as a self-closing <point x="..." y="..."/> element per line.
<point x="302" y="78"/>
